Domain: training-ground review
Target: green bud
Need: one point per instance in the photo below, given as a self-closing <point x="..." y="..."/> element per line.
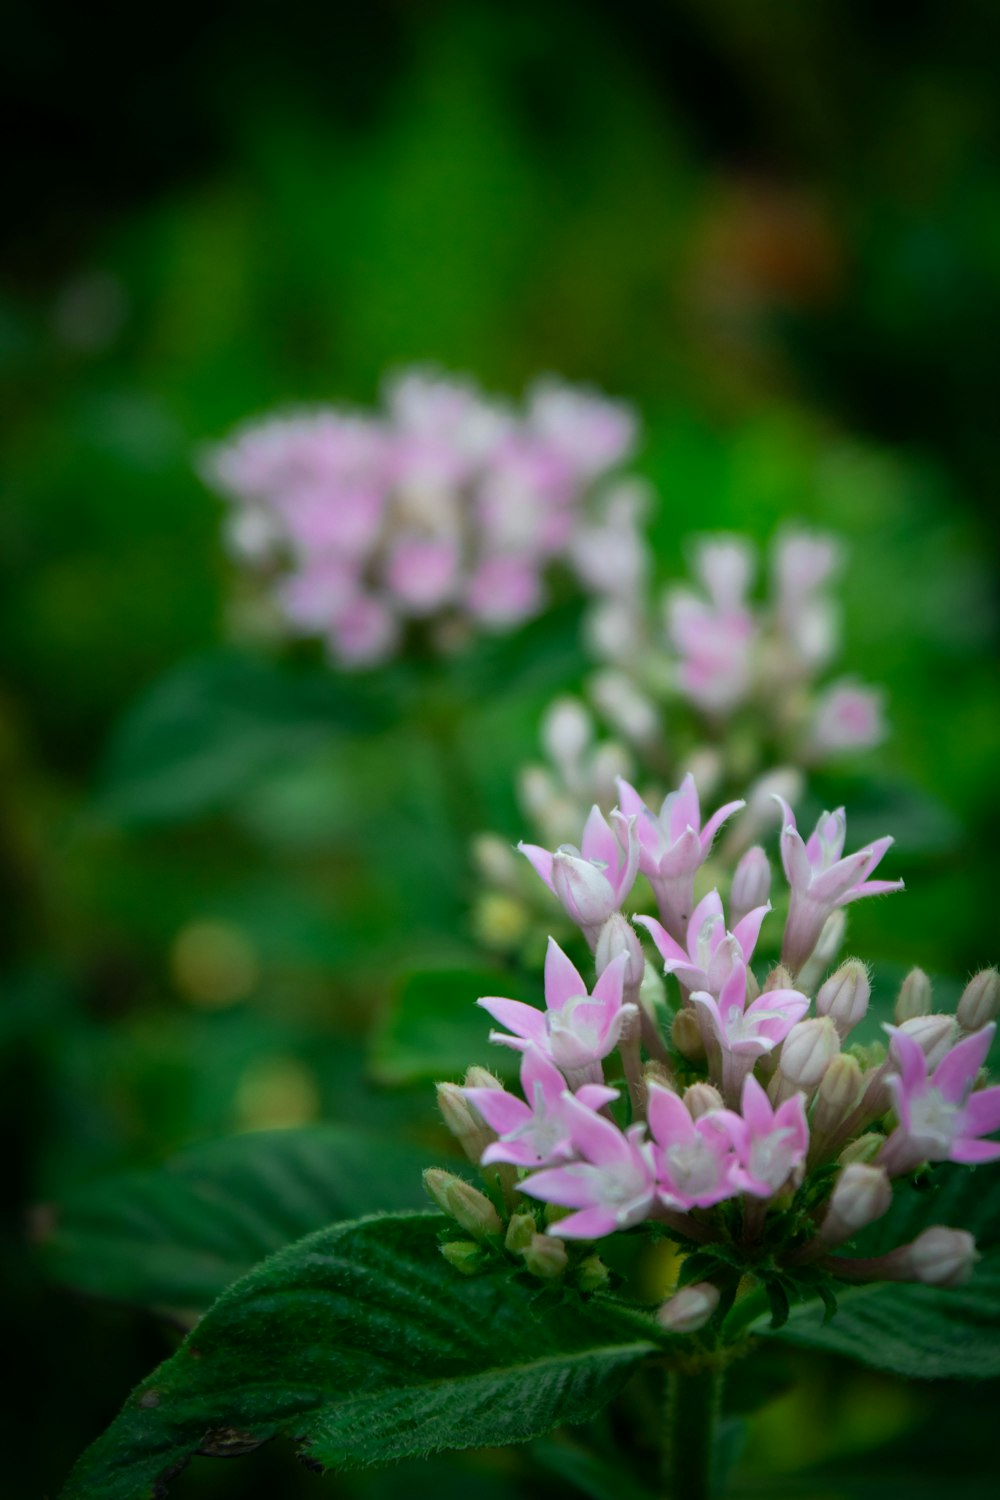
<point x="592" y="1274"/>
<point x="545" y="1256"/>
<point x="463" y="1203"/>
<point x="980" y="1002"/>
<point x="520" y="1232"/>
<point x="686" y="1036"/>
<point x="464" y="1121"/>
<point x="914" y="998"/>
<point x="863" y="1150"/>
<point x="465" y="1255"/>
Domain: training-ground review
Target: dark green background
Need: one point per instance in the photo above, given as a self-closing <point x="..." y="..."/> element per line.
<point x="775" y="227"/>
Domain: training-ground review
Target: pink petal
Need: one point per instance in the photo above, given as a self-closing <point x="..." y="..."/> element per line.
<point x="593" y="1095"/>
<point x="610" y="984"/>
<point x="595" y="1137"/>
<point x="716" y="821"/>
<point x="709" y="906"/>
<point x="840" y="878"/>
<point x="589" y="1224"/>
<point x="872" y="888"/>
<point x="909" y="1059"/>
<point x="956" y="1072"/>
<point x="668" y="947"/>
<point x="502" y="1112"/>
<point x="571" y="1187"/>
<point x="628" y="799"/>
<point x="599" y="842"/>
<point x="798" y="870"/>
<point x="972" y="1153"/>
<point x="982" y="1113"/>
<point x="756" y="1108"/>
<point x="541" y="859"/>
<point x="683" y="856"/>
<point x="523" y="1020"/>
<point x="747" y="930"/>
<point x="563" y="980"/>
<point x="537" y="1068"/>
<point x="707" y="1003"/>
<point x="669" y="1119"/>
<point x="682" y="808"/>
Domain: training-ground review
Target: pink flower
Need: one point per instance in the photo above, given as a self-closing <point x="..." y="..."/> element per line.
<point x="770" y="1144"/>
<point x="673" y="846"/>
<point x="736" y="1034"/>
<point x="847" y="716"/>
<point x="694" y="1158"/>
<point x="714" y="646"/>
<point x="711" y="951"/>
<point x="594" y="880"/>
<point x="590" y="433"/>
<point x="539" y="1132"/>
<point x="613" y="1187"/>
<point x="803" y="563"/>
<point x="821" y="880"/>
<point x="503" y="591"/>
<point x="577" y="1029"/>
<point x="940" y="1117"/>
<point x="364" y="632"/>
<point x="422" y="572"/>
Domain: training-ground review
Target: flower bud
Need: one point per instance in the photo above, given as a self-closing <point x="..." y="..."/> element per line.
<point x="462" y="1202"/>
<point x="464" y="1121"/>
<point x="938" y="1257"/>
<point x="567" y="730"/>
<point x="751" y="884"/>
<point x="481" y="1078"/>
<point x="592" y="1274"/>
<point x="758" y="815"/>
<point x="914" y="998"/>
<point x="864" y="1149"/>
<point x="690" y="1308"/>
<point x="845" y="996"/>
<point x="496" y="861"/>
<point x="836" y="1097"/>
<point x="702" y="1099"/>
<point x="465" y="1255"/>
<point x="980" y="1002"/>
<point x="628" y="711"/>
<point x="861" y="1195"/>
<point x="808" y="1050"/>
<point x="501" y="920"/>
<point x="545" y="1256"/>
<point x="619" y="936"/>
<point x="753" y="988"/>
<point x="778" y="979"/>
<point x="520" y="1232"/>
<point x="583" y="890"/>
<point x="934" y="1036"/>
<point x="686" y="1036"/>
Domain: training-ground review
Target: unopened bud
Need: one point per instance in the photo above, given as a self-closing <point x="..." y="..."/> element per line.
<point x="753" y="988"/>
<point x="657" y="1072"/>
<point x="496" y="861"/>
<point x="807" y="1052"/>
<point x="758" y="815"/>
<point x="845" y="996"/>
<point x="980" y="1002"/>
<point x="567" y="730"/>
<point x="836" y="1097"/>
<point x="481" y="1078"/>
<point x="465" y="1255"/>
<point x="914" y="998"/>
<point x="583" y="889"/>
<point x="520" y="1232"/>
<point x="864" y="1149"/>
<point x="462" y="1202"/>
<point x="778" y="979"/>
<point x="751" y="884"/>
<point x="686" y="1036"/>
<point x="628" y="711"/>
<point x="618" y="936"/>
<point x="831" y="941"/>
<point x="702" y="1099"/>
<point x="861" y="1195"/>
<point x="465" y="1123"/>
<point x="690" y="1308"/>
<point x="592" y="1274"/>
<point x="934" y="1036"/>
<point x="545" y="1256"/>
<point x="938" y="1257"/>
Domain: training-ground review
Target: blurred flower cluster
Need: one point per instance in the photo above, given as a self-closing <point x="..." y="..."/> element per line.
<point x="714" y="684"/>
<point x="740" y="1120"/>
<point x="448" y="508"/>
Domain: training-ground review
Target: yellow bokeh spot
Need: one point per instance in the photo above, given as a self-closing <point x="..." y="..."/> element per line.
<point x="214" y="964"/>
<point x="276" y="1093"/>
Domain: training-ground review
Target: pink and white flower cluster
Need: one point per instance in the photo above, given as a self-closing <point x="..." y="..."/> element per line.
<point x="446" y="506"/>
<point x="752" y="1086"/>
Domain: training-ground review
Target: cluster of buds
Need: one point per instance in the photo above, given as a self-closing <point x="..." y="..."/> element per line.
<point x="741" y="1120"/>
<point x="448" y="508"/>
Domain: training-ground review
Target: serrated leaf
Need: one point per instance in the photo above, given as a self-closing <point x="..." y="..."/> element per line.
<point x="362" y="1345"/>
<point x="205" y="734"/>
<point x="176" y="1237"/>
<point x="435" y="1030"/>
<point x="921" y="1331"/>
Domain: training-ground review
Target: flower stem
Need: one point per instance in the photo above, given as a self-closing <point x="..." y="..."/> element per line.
<point x="694" y="1400"/>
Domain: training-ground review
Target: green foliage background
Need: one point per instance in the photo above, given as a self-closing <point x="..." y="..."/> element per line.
<point x="774" y="227"/>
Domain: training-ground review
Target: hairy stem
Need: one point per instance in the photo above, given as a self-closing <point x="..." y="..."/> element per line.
<point x="693" y="1403"/>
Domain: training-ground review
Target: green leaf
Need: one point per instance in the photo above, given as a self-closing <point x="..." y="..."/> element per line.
<point x="434" y="1029"/>
<point x="176" y="1237"/>
<point x="363" y="1346"/>
<point x="209" y="731"/>
<point x="921" y="1331"/>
